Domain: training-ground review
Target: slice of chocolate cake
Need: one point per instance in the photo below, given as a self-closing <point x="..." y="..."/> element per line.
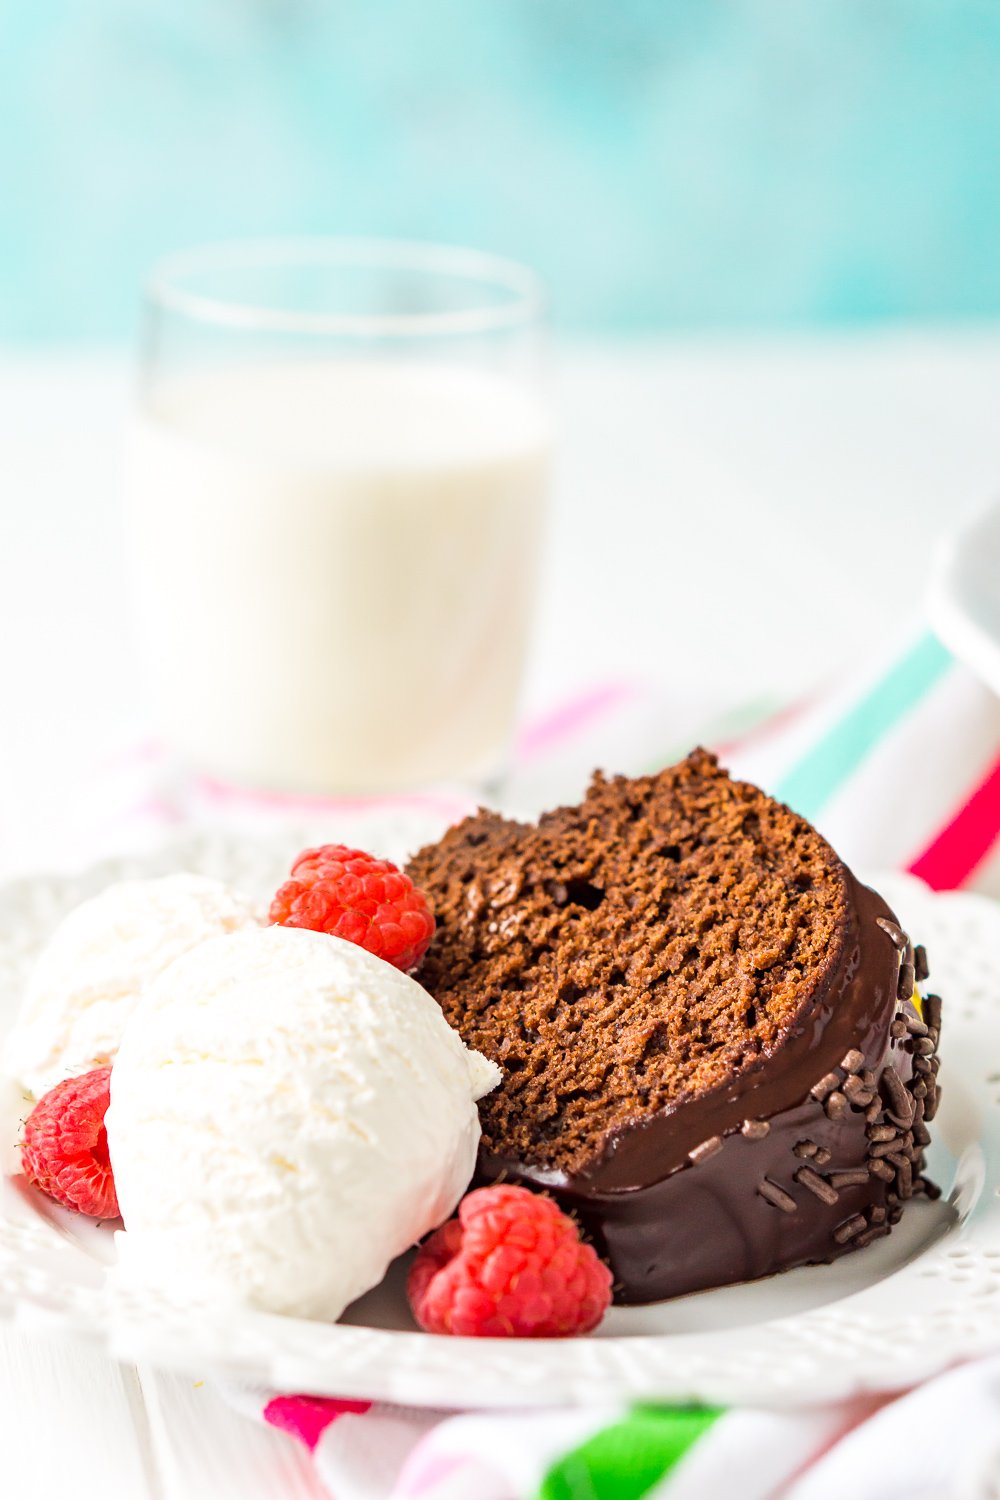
<point x="706" y="1026"/>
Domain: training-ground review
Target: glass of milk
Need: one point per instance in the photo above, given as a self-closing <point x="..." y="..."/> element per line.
<point x="335" y="491"/>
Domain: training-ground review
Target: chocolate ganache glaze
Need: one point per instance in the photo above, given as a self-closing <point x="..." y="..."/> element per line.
<point x="808" y="1152"/>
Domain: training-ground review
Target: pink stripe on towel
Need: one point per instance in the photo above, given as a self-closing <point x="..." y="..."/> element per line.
<point x="553" y="729"/>
<point x="308" y="1417"/>
<point x="956" y="852"/>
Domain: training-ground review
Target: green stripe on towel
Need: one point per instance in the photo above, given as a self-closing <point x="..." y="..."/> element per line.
<point x="809" y="786"/>
<point x="625" y="1461"/>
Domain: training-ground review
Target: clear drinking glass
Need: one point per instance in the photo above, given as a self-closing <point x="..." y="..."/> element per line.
<point x="335" y="488"/>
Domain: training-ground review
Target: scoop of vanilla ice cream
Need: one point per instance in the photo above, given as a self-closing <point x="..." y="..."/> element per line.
<point x="288" y="1114"/>
<point x="91" y="973"/>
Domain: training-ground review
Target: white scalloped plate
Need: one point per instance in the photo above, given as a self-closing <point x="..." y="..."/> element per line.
<point x="876" y="1320"/>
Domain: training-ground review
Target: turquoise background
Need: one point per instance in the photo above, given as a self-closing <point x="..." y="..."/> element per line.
<point x="665" y="163"/>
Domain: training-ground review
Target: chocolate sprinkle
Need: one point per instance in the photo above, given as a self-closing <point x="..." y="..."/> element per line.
<point x="901" y="1105"/>
<point x="881" y="1132"/>
<point x="853" y="1178"/>
<point x="906" y="985"/>
<point x="895" y="932"/>
<point x="805" y="1148"/>
<point x="706" y="1149"/>
<point x="856" y="1092"/>
<point x="817" y="1185"/>
<point x="878" y="1232"/>
<point x="881" y="1170"/>
<point x="776" y="1195"/>
<point x="915" y="1026"/>
<point x="920" y="967"/>
<point x="836" y="1105"/>
<point x="897" y="1030"/>
<point x="853" y="1061"/>
<point x="825" y="1086"/>
<point x="884" y="1148"/>
<point x="850" y="1228"/>
<point x="932" y="1011"/>
<point x="756" y="1130"/>
<point x="822" y="1156"/>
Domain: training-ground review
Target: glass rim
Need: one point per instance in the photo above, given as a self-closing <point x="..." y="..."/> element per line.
<point x="525" y="304"/>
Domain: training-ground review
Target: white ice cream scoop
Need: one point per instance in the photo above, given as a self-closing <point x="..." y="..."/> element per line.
<point x="102" y="956"/>
<point x="288" y="1114"/>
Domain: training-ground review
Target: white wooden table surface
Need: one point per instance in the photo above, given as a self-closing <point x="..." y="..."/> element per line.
<point x="795" y="487"/>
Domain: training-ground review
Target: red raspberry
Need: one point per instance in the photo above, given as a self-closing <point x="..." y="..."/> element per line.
<point x="65" y="1151"/>
<point x="352" y="895"/>
<point x="511" y="1265"/>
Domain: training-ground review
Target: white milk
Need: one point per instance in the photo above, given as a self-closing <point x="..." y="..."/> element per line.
<point x="334" y="568"/>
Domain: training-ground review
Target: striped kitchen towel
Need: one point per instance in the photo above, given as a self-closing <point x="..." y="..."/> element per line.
<point x="900" y="770"/>
<point x="864" y="1450"/>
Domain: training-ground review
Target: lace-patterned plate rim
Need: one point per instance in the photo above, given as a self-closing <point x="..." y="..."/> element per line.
<point x="875" y="1321"/>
